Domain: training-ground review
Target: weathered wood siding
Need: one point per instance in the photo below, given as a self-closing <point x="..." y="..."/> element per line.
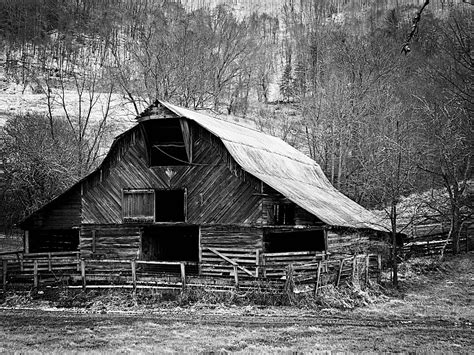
<point x="343" y="241"/>
<point x="271" y="197"/>
<point x="62" y="213"/>
<point x="218" y="191"/>
<point x="231" y="237"/>
<point x="110" y="241"/>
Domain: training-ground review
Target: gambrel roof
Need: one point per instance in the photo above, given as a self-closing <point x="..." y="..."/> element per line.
<point x="285" y="169"/>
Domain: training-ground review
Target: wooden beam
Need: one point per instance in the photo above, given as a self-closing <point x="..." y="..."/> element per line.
<point x="318" y="275"/>
<point x="83" y="273"/>
<point x="27" y="241"/>
<point x="236" y="277"/>
<point x="35" y="274"/>
<point x="133" y="265"/>
<point x="183" y="275"/>
<point x="338" y="278"/>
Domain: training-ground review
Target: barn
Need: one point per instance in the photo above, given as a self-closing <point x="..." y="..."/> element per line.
<point x="183" y="186"/>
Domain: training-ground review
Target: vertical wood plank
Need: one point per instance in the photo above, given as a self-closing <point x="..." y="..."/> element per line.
<point x="83" y="273"/>
<point x="183" y="275"/>
<point x="27" y="242"/>
<point x="4" y="274"/>
<point x="339" y="272"/>
<point x="367" y="264"/>
<point x="257" y="262"/>
<point x="49" y="262"/>
<point x="236" y="277"/>
<point x="133" y="265"/>
<point x="317" y="283"/>
<point x="200" y="250"/>
<point x="93" y="241"/>
<point x="35" y="274"/>
<point x="354" y="268"/>
<point x="379" y="267"/>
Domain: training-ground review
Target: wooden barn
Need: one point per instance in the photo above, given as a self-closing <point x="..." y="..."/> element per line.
<point x="183" y="186"/>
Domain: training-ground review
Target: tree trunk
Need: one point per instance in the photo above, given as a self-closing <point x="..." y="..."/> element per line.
<point x="454" y="231"/>
<point x="394" y="244"/>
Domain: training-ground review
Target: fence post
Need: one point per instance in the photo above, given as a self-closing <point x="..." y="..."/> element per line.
<point x="257" y="262"/>
<point x="133" y="264"/>
<point x="183" y="275"/>
<point x="83" y="273"/>
<point x="354" y="268"/>
<point x="49" y="262"/>
<point x="4" y="272"/>
<point x="379" y="267"/>
<point x="264" y="266"/>
<point x="367" y="264"/>
<point x="35" y="274"/>
<point x="236" y="277"/>
<point x="318" y="275"/>
<point x="339" y="272"/>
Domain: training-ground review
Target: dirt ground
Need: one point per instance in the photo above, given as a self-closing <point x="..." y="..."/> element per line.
<point x="431" y="313"/>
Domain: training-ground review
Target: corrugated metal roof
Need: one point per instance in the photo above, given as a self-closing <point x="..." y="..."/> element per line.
<point x="287" y="170"/>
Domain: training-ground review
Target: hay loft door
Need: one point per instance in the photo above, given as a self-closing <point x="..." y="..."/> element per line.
<point x="150" y="205"/>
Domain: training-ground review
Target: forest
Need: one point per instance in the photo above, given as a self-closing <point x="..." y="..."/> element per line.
<point x="384" y="114"/>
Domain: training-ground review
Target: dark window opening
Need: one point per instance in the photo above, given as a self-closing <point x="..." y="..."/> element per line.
<point x="166" y="142"/>
<point x="284" y="214"/>
<point x="170" y="206"/>
<point x="138" y="205"/>
<point x="294" y="241"/>
<point x="171" y="243"/>
<point x="42" y="241"/>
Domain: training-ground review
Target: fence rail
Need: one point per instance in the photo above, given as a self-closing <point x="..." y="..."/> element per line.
<point x="433" y="247"/>
<point x="44" y="268"/>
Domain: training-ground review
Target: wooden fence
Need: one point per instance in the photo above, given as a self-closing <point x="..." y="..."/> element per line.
<point x="434" y="247"/>
<point x="230" y="269"/>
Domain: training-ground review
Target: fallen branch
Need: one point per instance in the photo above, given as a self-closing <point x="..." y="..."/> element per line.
<point x="414" y="28"/>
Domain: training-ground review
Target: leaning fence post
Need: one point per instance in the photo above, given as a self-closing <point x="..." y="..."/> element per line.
<point x="35" y="274"/>
<point x="133" y="264"/>
<point x="83" y="273"/>
<point x="183" y="275"/>
<point x="339" y="272"/>
<point x="318" y="275"/>
<point x="4" y="272"/>
<point x="236" y="277"/>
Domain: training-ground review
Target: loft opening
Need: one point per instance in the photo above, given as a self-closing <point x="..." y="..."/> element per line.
<point x="150" y="205"/>
<point x="292" y="241"/>
<point x="168" y="141"/>
<point x="283" y="214"/>
<point x="171" y="243"/>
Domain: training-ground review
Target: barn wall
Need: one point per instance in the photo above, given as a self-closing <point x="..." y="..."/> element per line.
<point x="63" y="213"/>
<point x="231" y="237"/>
<point x="272" y="197"/>
<point x="342" y="241"/>
<point x="218" y="191"/>
<point x="110" y="241"/>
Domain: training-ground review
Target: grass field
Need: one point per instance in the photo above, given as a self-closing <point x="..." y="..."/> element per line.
<point x="431" y="313"/>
